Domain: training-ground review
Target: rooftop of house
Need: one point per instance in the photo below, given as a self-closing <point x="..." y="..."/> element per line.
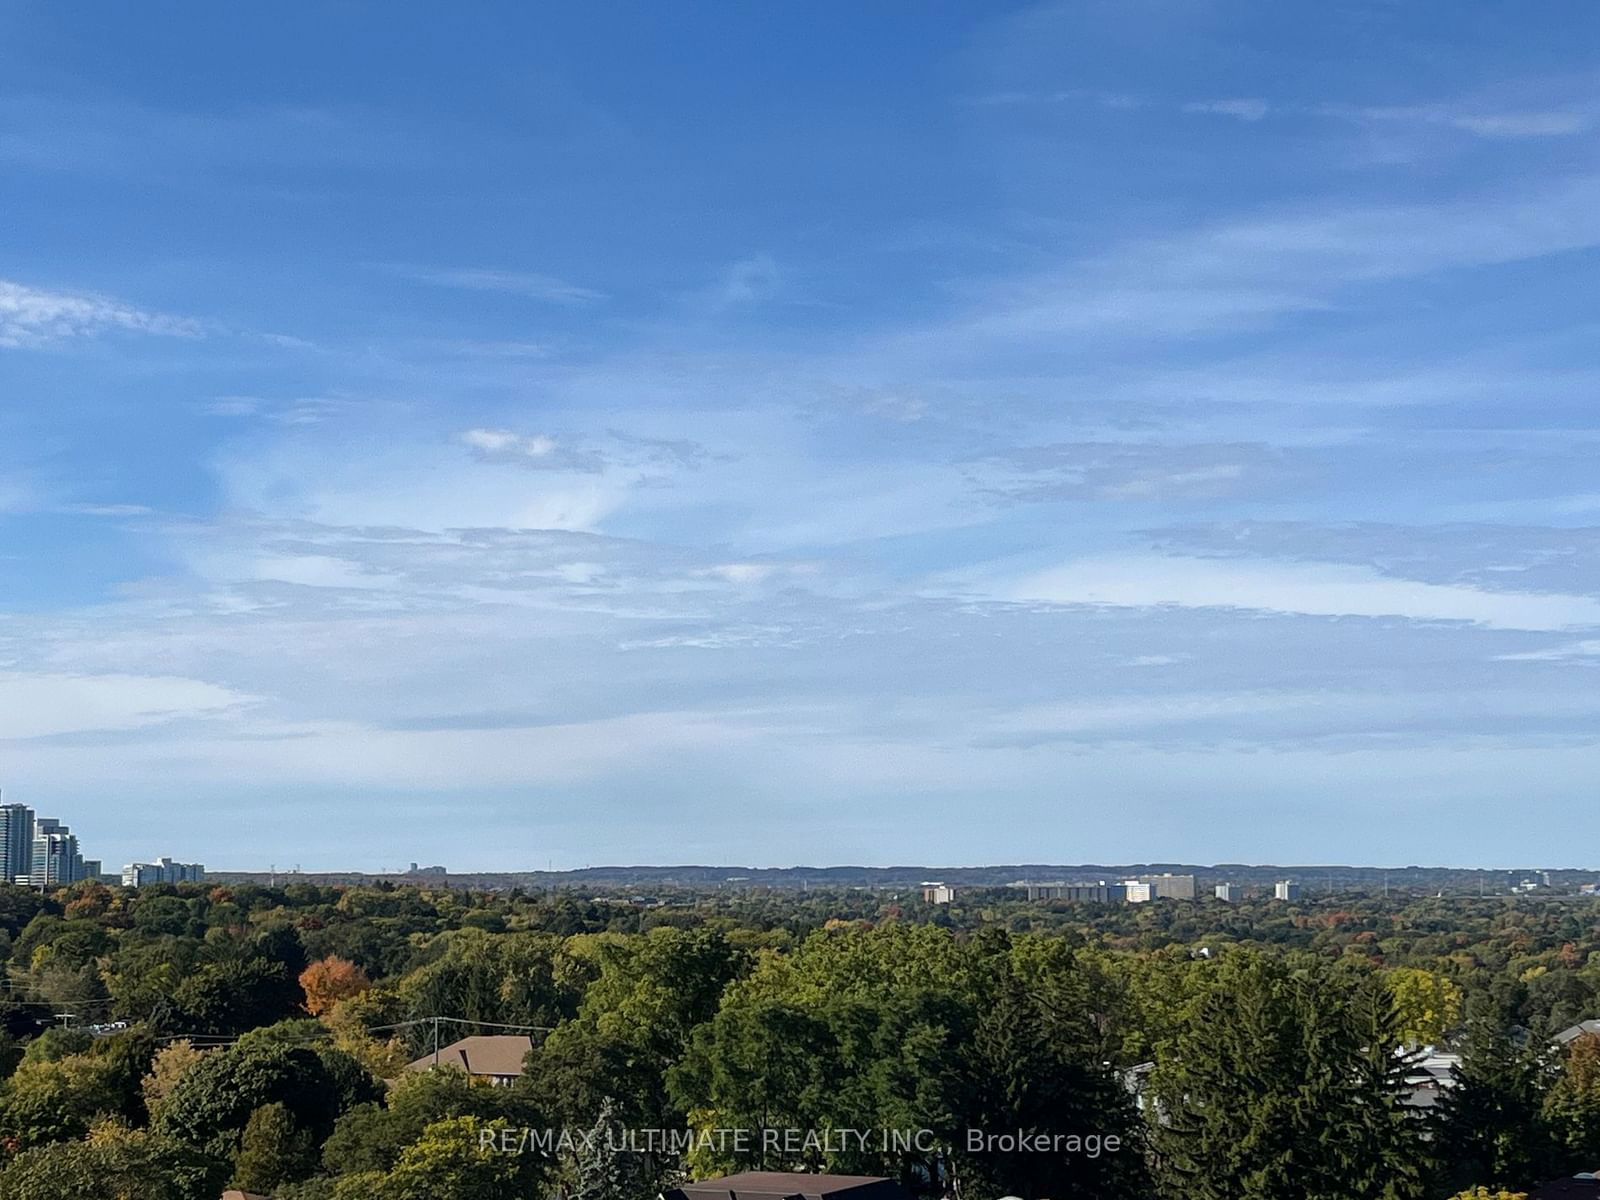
<point x="499" y="1055"/>
<point x="1574" y="1032"/>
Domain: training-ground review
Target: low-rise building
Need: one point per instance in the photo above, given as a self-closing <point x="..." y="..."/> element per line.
<point x="1589" y="1028"/>
<point x="1430" y="1077"/>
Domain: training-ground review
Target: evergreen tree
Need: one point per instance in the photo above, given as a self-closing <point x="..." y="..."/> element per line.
<point x="273" y="1151"/>
<point x="1284" y="1086"/>
<point x="1494" y="1130"/>
<point x="608" y="1167"/>
<point x="1034" y="1070"/>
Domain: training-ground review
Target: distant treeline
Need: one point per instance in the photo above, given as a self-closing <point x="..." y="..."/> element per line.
<point x="1313" y="878"/>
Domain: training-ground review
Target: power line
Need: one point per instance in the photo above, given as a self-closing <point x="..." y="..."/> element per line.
<point x="211" y="1041"/>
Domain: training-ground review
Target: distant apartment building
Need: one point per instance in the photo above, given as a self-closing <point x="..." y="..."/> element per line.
<point x="938" y="893"/>
<point x="16" y="842"/>
<point x="1135" y="891"/>
<point x="1285" y="890"/>
<point x="1078" y="893"/>
<point x="1231" y="892"/>
<point x="163" y="870"/>
<point x="1168" y="886"/>
<point x="40" y="851"/>
<point x="1159" y="887"/>
<point x="56" y="861"/>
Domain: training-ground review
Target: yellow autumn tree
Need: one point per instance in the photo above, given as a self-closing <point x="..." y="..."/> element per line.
<point x="1429" y="1004"/>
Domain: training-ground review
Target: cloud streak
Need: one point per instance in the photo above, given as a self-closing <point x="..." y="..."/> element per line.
<point x="1312" y="589"/>
<point x="525" y="284"/>
<point x="33" y="317"/>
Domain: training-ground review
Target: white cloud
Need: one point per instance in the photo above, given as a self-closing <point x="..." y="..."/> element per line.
<point x="33" y="317"/>
<point x="44" y="704"/>
<point x="1313" y="589"/>
<point x="501" y="442"/>
<point x="1573" y="652"/>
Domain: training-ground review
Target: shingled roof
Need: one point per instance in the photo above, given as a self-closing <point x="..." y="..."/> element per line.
<point x="498" y="1055"/>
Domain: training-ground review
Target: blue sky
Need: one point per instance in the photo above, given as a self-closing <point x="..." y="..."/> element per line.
<point x="780" y="433"/>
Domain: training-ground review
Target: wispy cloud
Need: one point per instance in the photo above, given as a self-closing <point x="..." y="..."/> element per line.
<point x="614" y="449"/>
<point x="1244" y="110"/>
<point x="538" y="450"/>
<point x="1587" y="651"/>
<point x="1312" y="589"/>
<point x="1130" y="471"/>
<point x="36" y="317"/>
<point x="1476" y="118"/>
<point x="527" y="284"/>
<point x="1480" y="122"/>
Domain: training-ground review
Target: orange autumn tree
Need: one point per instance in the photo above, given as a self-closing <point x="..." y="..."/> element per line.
<point x="330" y="980"/>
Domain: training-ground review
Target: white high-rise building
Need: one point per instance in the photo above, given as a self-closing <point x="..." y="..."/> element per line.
<point x="163" y="870"/>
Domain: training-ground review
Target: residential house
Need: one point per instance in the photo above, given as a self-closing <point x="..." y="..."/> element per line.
<point x="497" y="1057"/>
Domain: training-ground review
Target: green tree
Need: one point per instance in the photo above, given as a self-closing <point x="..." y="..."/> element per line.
<point x="129" y="1165"/>
<point x="214" y="1099"/>
<point x="1034" y="1066"/>
<point x="1428" y="1004"/>
<point x="273" y="1150"/>
<point x="457" y="1159"/>
<point x="1494" y="1127"/>
<point x="56" y="1098"/>
<point x="371" y="1136"/>
<point x="648" y="994"/>
<point x="1280" y="1090"/>
<point x="234" y="996"/>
